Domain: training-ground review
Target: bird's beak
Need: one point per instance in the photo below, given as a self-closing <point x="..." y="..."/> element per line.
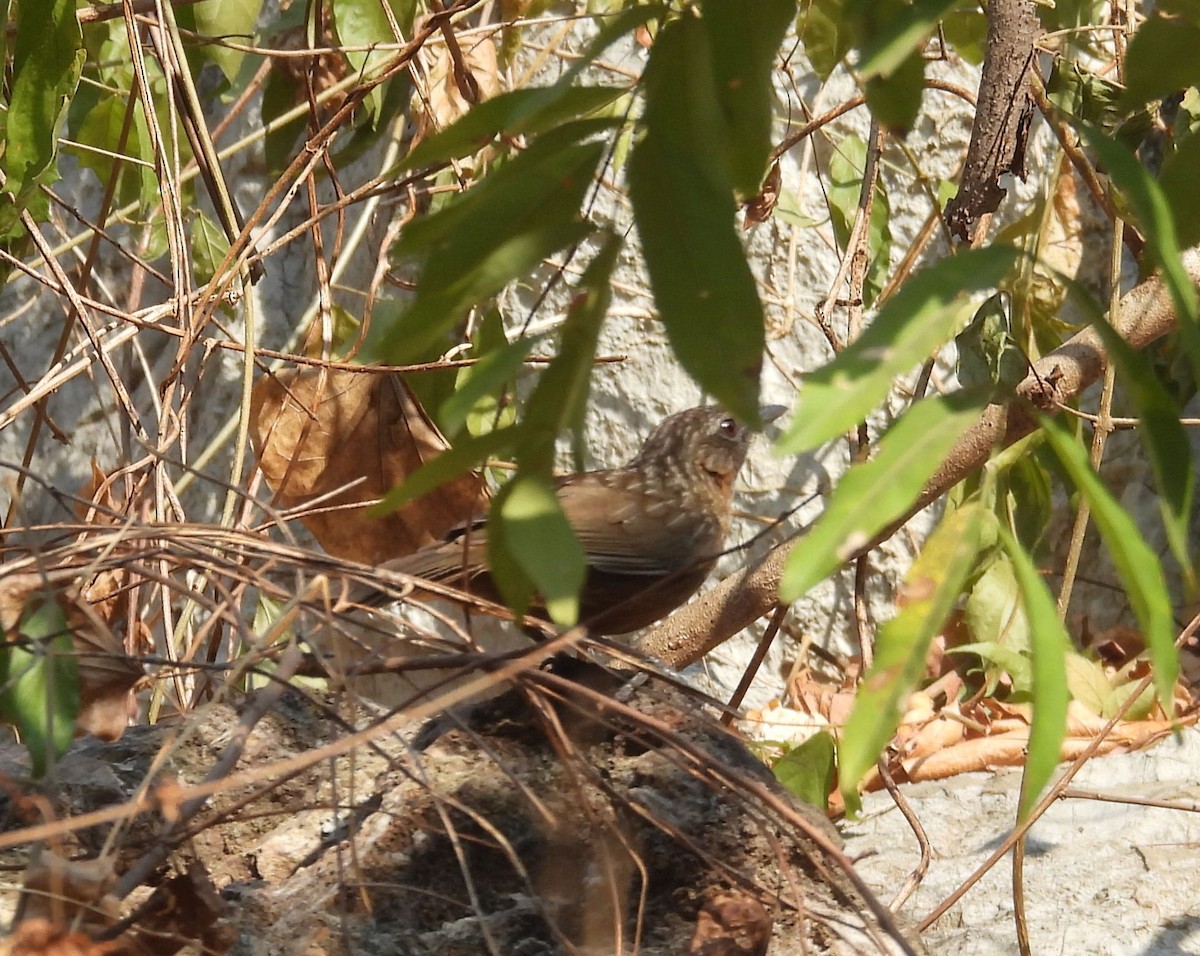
<point x="768" y="413"/>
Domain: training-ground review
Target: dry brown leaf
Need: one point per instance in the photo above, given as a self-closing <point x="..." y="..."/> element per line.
<point x="444" y="101"/>
<point x="354" y="441"/>
<point x="107" y="674"/>
<point x="760" y="207"/>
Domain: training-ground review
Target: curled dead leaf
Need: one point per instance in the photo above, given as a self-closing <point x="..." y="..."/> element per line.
<point x="760" y="207"/>
<point x="452" y="88"/>
<point x="338" y="439"/>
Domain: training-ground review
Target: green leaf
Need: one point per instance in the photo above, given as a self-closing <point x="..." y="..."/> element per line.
<point x="1161" y="59"/>
<point x="1154" y="213"/>
<point x="1140" y="709"/>
<point x="999" y="659"/>
<point x="363" y="23"/>
<point x="1138" y="566"/>
<point x="101" y="126"/>
<point x="916" y="321"/>
<point x="846" y="168"/>
<point x="47" y="61"/>
<point x="209" y="246"/>
<point x="39" y="683"/>
<point x="744" y="49"/>
<point x="478" y="384"/>
<point x="876" y="492"/>
<point x="1049" y="644"/>
<point x="966" y="32"/>
<point x="221" y="19"/>
<point x="822" y="28"/>
<point x="809" y="770"/>
<point x="989" y="359"/>
<point x="536" y="534"/>
<point x="931" y="588"/>
<point x="890" y="49"/>
<point x="995" y="617"/>
<point x="496" y="232"/>
<point x="279" y="96"/>
<point x="1088" y="683"/>
<point x="895" y="99"/>
<point x="524" y="112"/>
<point x="559" y="401"/>
<point x="681" y="189"/>
<point x="465" y="455"/>
<point x="1096" y="100"/>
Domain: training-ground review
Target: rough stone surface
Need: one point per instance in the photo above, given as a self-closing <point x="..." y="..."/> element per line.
<point x="1101" y="878"/>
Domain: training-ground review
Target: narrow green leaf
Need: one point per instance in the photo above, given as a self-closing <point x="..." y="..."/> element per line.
<point x="39" y="683"/>
<point x="465" y="455"/>
<point x="876" y="492"/>
<point x="539" y="538"/>
<point x="744" y="49"/>
<point x="931" y="588"/>
<point x="681" y="190"/>
<point x="809" y="770"/>
<point x="47" y="61"/>
<point x="524" y="112"/>
<point x="1160" y="429"/>
<point x="1049" y="643"/>
<point x="917" y="320"/>
<point x="547" y="159"/>
<point x="1136" y="563"/>
<point x="559" y="401"/>
<point x="1154" y="214"/>
<point x="497" y="232"/>
<point x="531" y="111"/>
<point x="511" y="580"/>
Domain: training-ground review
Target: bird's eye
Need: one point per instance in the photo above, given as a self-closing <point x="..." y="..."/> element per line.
<point x="729" y="428"/>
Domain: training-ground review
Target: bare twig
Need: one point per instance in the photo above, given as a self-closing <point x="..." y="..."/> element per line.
<point x="1002" y="120"/>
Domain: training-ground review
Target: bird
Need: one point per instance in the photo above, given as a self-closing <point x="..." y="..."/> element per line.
<point x="651" y="530"/>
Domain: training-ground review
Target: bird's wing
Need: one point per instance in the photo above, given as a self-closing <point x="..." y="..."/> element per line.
<point x="626" y="532"/>
<point x="444" y="562"/>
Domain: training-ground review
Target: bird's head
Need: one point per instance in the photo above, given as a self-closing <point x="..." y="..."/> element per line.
<point x="705" y="442"/>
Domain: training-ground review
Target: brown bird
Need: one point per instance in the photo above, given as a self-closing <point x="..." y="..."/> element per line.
<point x="651" y="531"/>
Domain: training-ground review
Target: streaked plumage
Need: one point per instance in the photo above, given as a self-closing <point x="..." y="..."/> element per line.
<point x="651" y="531"/>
